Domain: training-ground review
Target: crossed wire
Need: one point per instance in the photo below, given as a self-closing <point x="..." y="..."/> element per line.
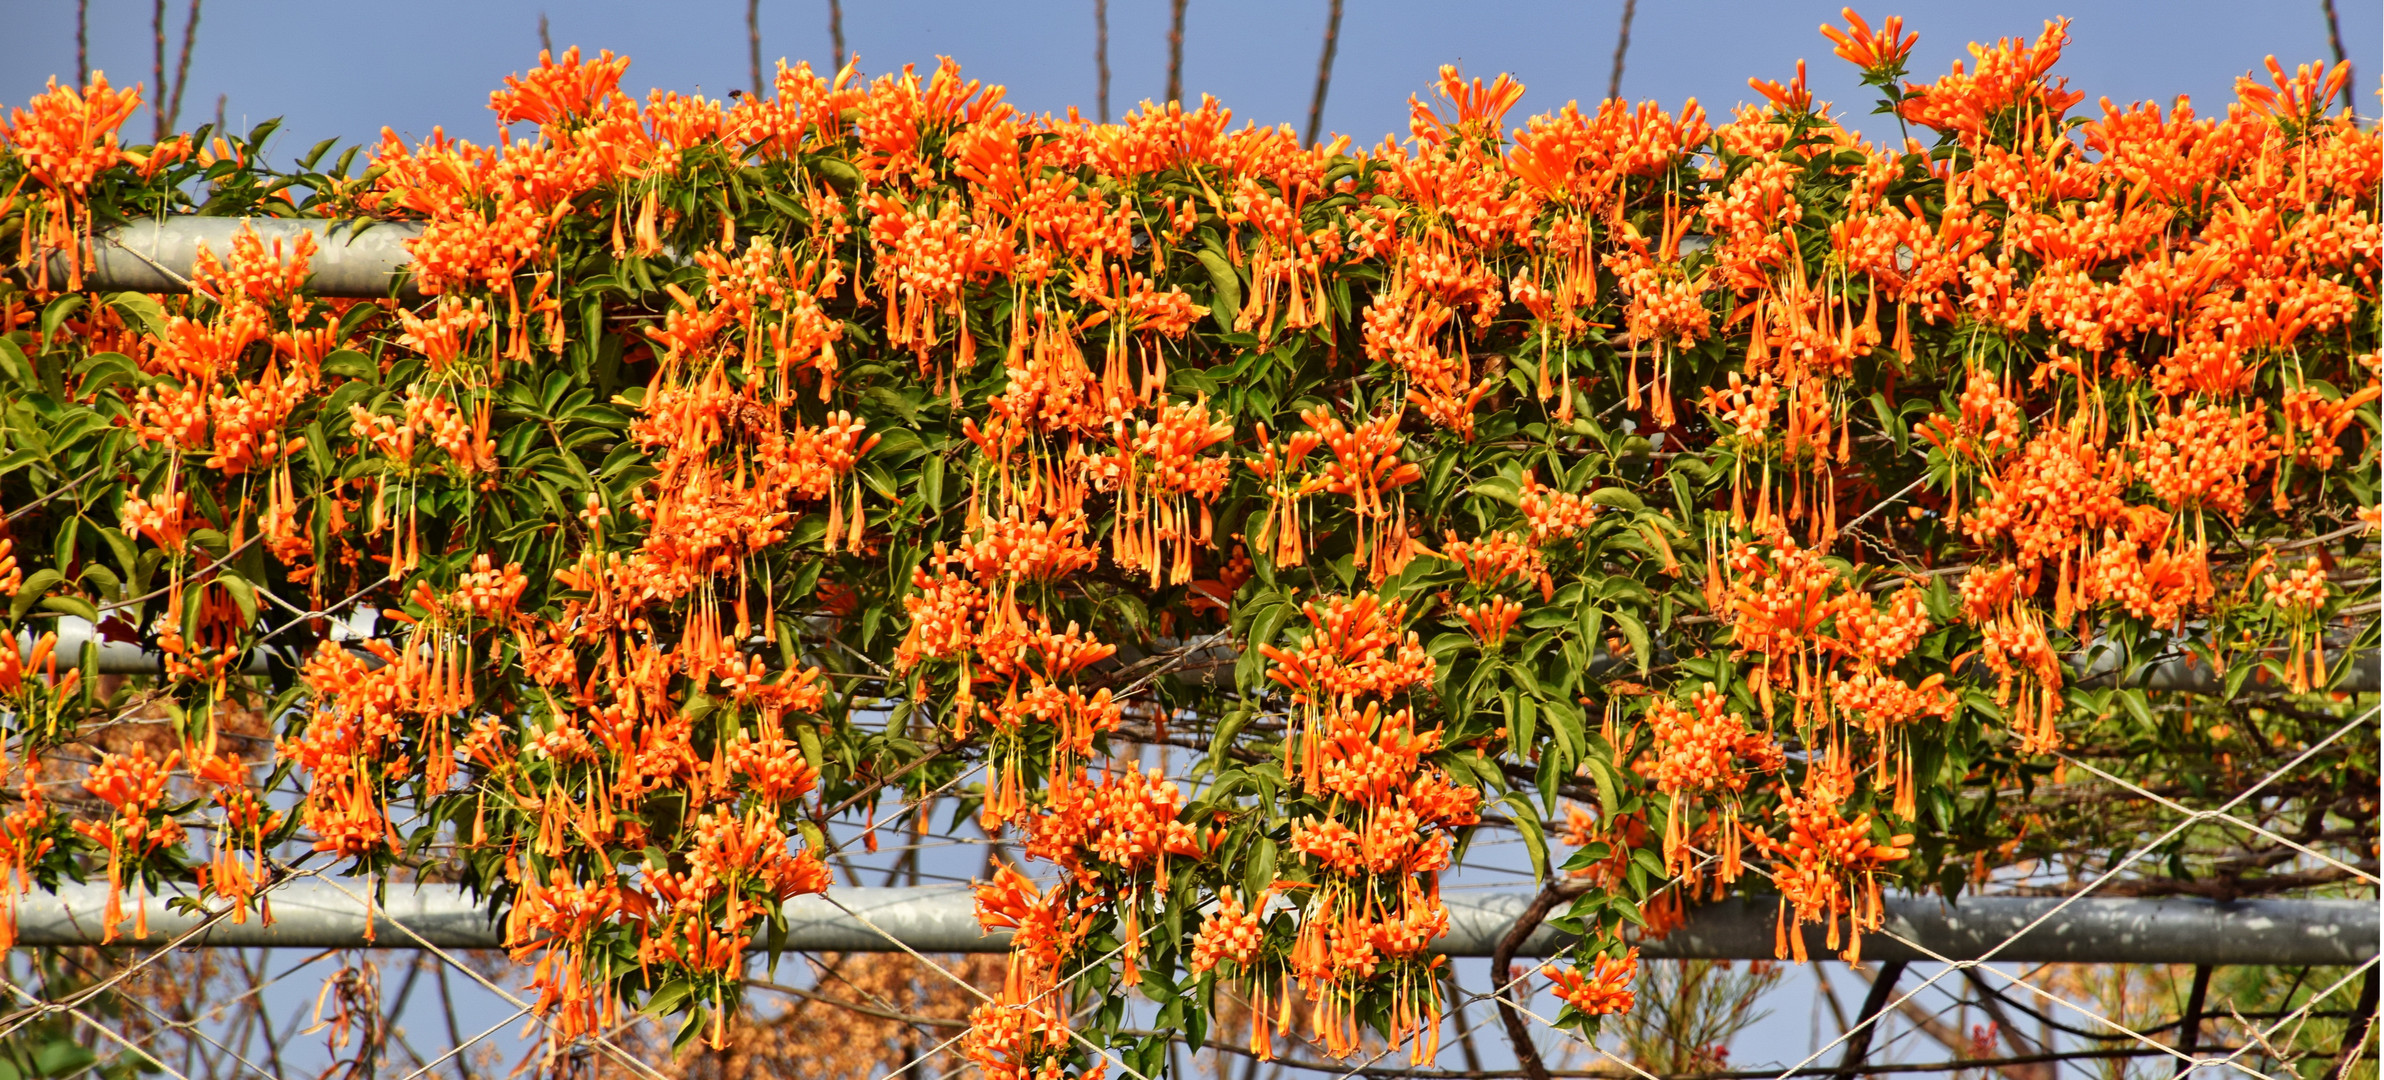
<point x="1982" y="962"/>
<point x="72" y="1006"/>
<point x="37" y="1007"/>
<point x="2192" y="819"/>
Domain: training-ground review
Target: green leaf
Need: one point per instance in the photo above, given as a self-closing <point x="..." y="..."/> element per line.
<point x="690" y="1030"/>
<point x="1499" y="488"/>
<point x="2137" y="706"/>
<point x="1226" y="286"/>
<point x="1261" y="871"/>
<point x="13" y="365"/>
<point x="243" y="594"/>
<point x="837" y="172"/>
<point x="898" y="444"/>
<point x="107" y="579"/>
<point x="1618" y="498"/>
<point x="1523" y="720"/>
<point x="1634" y="632"/>
<point x="1535" y="838"/>
<point x="1593" y="624"/>
<point x="350" y="364"/>
<point x="28" y="594"/>
<point x="56" y="314"/>
<point x="72" y="605"/>
<point x="144" y="309"/>
<point x="899" y="404"/>
<point x="1269" y="622"/>
<point x="61" y="1058"/>
<point x="1601" y="773"/>
<point x="2235" y="677"/>
<point x="1227" y="728"/>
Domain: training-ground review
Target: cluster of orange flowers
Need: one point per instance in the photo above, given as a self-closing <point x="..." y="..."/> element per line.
<point x="1375" y="839"/>
<point x="1365" y="466"/>
<point x="701" y="398"/>
<point x="1606" y="989"/>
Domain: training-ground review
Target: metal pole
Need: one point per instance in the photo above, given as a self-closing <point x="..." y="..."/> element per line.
<point x="319" y="915"/>
<point x="1214" y="664"/>
<point x="352" y="258"/>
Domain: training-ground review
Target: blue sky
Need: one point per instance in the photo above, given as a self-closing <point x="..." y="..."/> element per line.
<point x="345" y="69"/>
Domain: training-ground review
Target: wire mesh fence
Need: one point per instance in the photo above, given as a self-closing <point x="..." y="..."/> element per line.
<point x="409" y="1007"/>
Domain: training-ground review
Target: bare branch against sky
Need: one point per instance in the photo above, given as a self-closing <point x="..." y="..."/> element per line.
<point x="190" y="29"/>
<point x="1621" y="45"/>
<point x="836" y="36"/>
<point x="2334" y="37"/>
<point x="157" y="68"/>
<point x="1101" y="54"/>
<point x="1324" y="70"/>
<point x="165" y="100"/>
<point x="753" y="41"/>
<point x="83" y="41"/>
<point x="1175" y="50"/>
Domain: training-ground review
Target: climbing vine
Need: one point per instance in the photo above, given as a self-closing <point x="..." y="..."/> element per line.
<point x="1755" y="505"/>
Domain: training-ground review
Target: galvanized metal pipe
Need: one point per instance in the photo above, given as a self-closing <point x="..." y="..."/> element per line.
<point x="939" y="919"/>
<point x="352" y="258"/>
<point x="1214" y="664"/>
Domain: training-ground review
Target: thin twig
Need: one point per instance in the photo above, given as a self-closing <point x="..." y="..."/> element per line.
<point x="753" y="42"/>
<point x="61" y="489"/>
<point x="1947" y="1067"/>
<point x="1883" y="504"/>
<point x="836" y="35"/>
<point x="1874" y="1007"/>
<point x="855" y="1006"/>
<point x="2189" y="1028"/>
<point x="1101" y="55"/>
<point x="155" y="593"/>
<point x="1622" y="45"/>
<point x="1324" y="71"/>
<point x="2363" y="1027"/>
<point x="1175" y="50"/>
<point x="2334" y="37"/>
<point x="190" y="31"/>
<point x="455" y="1035"/>
<point x="277" y="876"/>
<point x="157" y="69"/>
<point x="1503" y="957"/>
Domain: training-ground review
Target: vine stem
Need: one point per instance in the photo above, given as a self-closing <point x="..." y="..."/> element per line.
<point x="1519" y="1033"/>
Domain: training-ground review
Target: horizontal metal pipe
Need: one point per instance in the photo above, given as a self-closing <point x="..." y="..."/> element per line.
<point x="1214" y="664"/>
<point x="352" y="258"/>
<point x="2082" y="930"/>
<point x="317" y="914"/>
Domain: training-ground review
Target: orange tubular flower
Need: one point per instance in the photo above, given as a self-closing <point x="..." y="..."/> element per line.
<point x="69" y="137"/>
<point x="1230" y="934"/>
<point x="558" y="90"/>
<point x="1605" y="991"/>
<point x="2010" y="80"/>
<point x="2301" y="99"/>
<point x="1792" y="98"/>
<point x="65" y="142"/>
<point x="1490" y="622"/>
<point x="1881" y="54"/>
